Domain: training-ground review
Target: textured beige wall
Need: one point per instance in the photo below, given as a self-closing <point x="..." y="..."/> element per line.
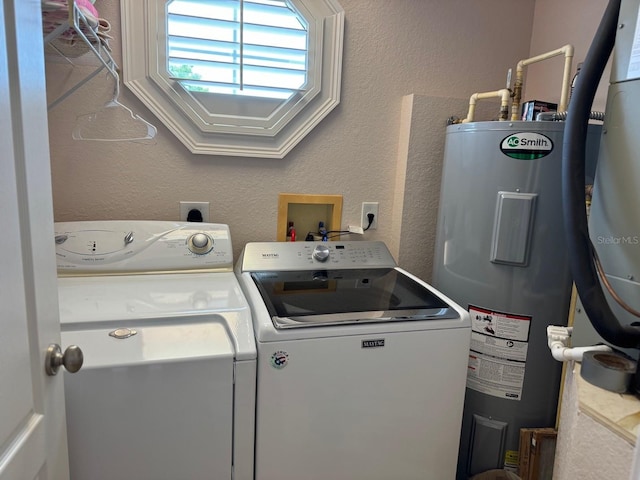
<point x="587" y="449"/>
<point x="392" y="49"/>
<point x="555" y="25"/>
<point x="418" y="177"/>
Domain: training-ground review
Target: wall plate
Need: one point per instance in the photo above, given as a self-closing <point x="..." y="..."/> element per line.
<point x="186" y="207"/>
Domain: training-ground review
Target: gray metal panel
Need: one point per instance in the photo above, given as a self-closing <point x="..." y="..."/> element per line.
<point x="616" y="197"/>
<point x="624" y="41"/>
<point x="583" y="332"/>
<point x="615" y="208"/>
<point x="512" y="228"/>
<point x="487" y="445"/>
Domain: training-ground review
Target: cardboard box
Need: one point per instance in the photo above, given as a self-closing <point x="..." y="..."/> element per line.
<point x="524" y="454"/>
<point x="532" y="108"/>
<point x="537" y="453"/>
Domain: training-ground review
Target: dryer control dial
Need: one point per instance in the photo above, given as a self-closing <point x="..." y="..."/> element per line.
<point x="200" y="243"/>
<point x="321" y="253"/>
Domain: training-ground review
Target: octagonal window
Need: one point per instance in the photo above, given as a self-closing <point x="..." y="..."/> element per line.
<point x="235" y="77"/>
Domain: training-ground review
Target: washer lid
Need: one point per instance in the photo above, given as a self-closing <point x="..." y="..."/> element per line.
<point x="338" y="297"/>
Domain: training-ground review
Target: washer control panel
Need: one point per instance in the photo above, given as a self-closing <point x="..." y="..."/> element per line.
<point x="141" y="246"/>
<point x="272" y="256"/>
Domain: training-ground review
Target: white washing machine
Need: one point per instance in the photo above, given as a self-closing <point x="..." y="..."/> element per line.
<point x="361" y="366"/>
<point x="167" y="389"/>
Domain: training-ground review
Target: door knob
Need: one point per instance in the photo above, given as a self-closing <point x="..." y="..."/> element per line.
<point x="72" y="359"/>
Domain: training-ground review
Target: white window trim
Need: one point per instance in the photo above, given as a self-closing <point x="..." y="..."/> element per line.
<point x="267" y="140"/>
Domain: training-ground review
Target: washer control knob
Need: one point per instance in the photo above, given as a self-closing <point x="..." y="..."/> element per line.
<point x="321" y="253"/>
<point x="200" y="243"/>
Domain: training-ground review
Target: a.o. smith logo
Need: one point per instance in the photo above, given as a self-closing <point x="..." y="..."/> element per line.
<point x="526" y="146"/>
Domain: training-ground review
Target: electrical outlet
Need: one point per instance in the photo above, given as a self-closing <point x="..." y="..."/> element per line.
<point x="369" y="207"/>
<point x="186" y="207"/>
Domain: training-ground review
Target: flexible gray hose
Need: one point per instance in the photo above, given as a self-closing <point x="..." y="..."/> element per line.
<point x="562" y="116"/>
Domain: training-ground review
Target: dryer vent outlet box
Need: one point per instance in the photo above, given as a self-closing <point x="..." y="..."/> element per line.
<point x="187" y="207"/>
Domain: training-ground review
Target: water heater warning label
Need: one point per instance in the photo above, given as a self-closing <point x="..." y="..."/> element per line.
<point x="499" y="344"/>
<point x="500" y="324"/>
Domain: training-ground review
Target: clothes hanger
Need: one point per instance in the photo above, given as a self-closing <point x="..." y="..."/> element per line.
<point x="114" y="122"/>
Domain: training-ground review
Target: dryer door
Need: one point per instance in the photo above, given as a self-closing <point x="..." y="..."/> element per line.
<point x="152" y="402"/>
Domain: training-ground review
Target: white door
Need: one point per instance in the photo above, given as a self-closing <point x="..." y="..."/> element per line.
<point x="33" y="443"/>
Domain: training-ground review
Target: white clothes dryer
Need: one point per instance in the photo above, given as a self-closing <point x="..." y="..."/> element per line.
<point x="167" y="389"/>
<point x="361" y="366"/>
